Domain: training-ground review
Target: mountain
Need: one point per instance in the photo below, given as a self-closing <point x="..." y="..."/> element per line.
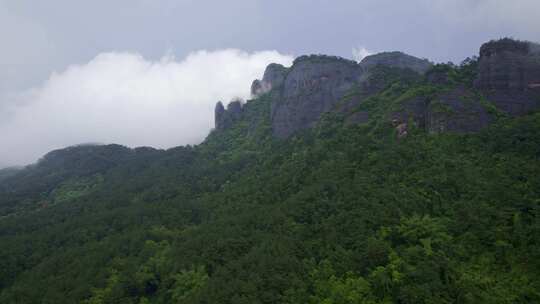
<point x="392" y="180"/>
<point x="36" y="182"/>
<point x="7" y="172"/>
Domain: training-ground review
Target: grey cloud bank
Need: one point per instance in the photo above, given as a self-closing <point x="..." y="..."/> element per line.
<point x="112" y="83"/>
<point x="124" y="98"/>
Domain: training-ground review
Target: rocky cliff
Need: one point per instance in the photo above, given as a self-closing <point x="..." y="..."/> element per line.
<point x="224" y="118"/>
<point x="509" y="75"/>
<point x="273" y="77"/>
<point x="396" y="60"/>
<point x="315" y="84"/>
<point x="507" y="81"/>
<point x="504" y="79"/>
<point x="312" y="86"/>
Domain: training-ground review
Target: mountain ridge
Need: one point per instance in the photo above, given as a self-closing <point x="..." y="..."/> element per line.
<point x="301" y="98"/>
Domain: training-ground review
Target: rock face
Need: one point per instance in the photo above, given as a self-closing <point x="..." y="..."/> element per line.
<point x="225" y="118"/>
<point x="509" y="75"/>
<point x="313" y="86"/>
<point x="396" y="60"/>
<point x="274" y="75"/>
<point x="219" y="116"/>
<point x="316" y="83"/>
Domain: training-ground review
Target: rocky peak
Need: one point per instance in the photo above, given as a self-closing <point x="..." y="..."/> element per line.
<point x="225" y="118"/>
<point x="495" y="47"/>
<point x="509" y="74"/>
<point x="219" y="113"/>
<point x="312" y="86"/>
<point x="321" y="58"/>
<point x="235" y="106"/>
<point x="316" y="83"/>
<point x="275" y="74"/>
<point x="396" y="60"/>
<point x="273" y="77"/>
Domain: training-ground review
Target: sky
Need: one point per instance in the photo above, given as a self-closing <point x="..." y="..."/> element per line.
<point x="149" y="72"/>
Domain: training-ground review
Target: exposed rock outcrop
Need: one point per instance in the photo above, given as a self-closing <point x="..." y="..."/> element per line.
<point x="316" y="83"/>
<point x="313" y="86"/>
<point x="509" y="75"/>
<point x="224" y="119"/>
<point x="396" y="60"/>
<point x="273" y="77"/>
<point x="219" y="115"/>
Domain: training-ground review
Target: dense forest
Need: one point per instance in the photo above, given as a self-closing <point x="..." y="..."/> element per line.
<point x="338" y="213"/>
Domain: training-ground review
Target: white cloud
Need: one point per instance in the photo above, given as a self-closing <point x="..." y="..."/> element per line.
<point x="360" y="53"/>
<point x="126" y="99"/>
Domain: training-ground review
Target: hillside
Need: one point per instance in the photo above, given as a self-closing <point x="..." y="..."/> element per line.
<point x="391" y="180"/>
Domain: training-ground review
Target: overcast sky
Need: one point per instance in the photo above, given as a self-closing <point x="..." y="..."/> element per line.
<point x="148" y="72"/>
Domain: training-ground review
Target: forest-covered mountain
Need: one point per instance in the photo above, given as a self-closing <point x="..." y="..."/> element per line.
<point x="392" y="180"/>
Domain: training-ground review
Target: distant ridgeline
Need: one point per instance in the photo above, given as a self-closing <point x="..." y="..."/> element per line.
<point x="504" y="80"/>
<point x="392" y="180"/>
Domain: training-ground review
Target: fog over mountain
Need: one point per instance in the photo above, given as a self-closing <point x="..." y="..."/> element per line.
<point x="121" y="97"/>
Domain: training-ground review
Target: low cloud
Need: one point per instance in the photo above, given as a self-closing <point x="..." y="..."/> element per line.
<point x="124" y="98"/>
<point x="360" y="53"/>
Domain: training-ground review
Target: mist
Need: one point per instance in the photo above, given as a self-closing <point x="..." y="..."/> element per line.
<point x="121" y="97"/>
